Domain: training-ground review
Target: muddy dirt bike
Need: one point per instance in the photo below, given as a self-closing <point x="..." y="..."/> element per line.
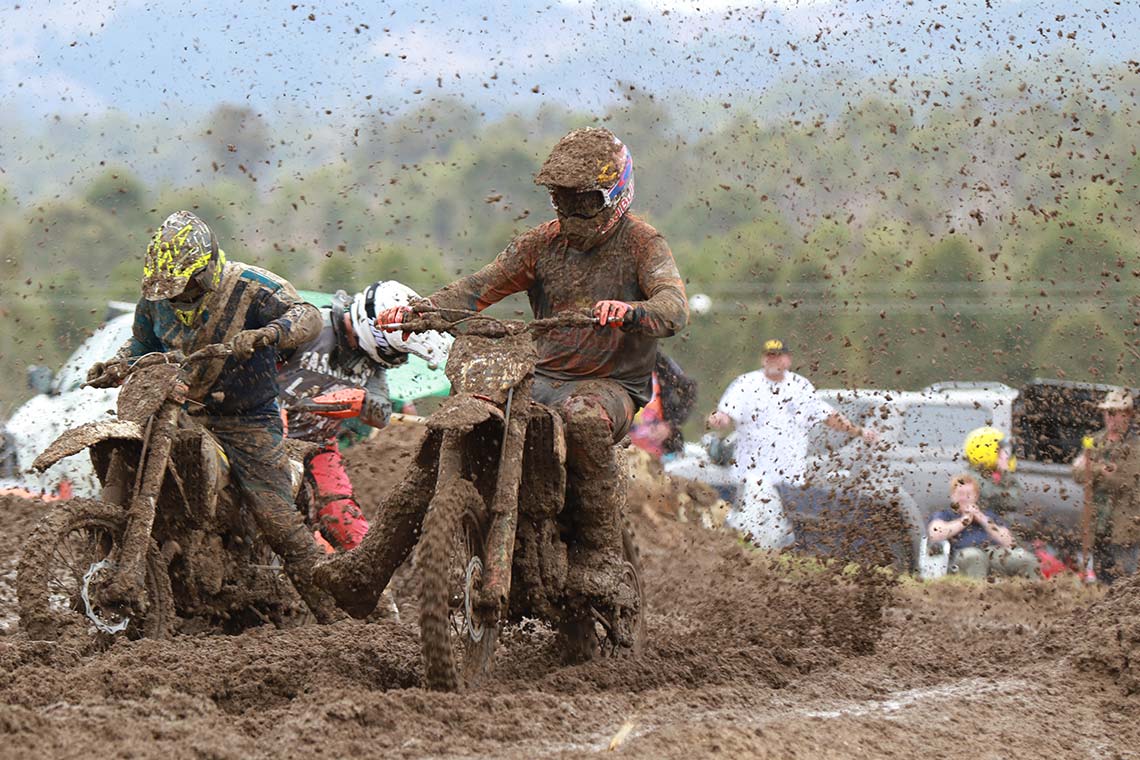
<point x="495" y="542"/>
<point x="168" y="538"/>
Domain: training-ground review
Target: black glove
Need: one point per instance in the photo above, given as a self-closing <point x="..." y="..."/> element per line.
<point x="106" y="374"/>
<point x="248" y="341"/>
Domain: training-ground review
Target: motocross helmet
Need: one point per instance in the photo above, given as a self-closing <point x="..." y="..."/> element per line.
<point x="182" y="249"/>
<point x="392" y="347"/>
<point x="982" y="446"/>
<point x="590" y="177"/>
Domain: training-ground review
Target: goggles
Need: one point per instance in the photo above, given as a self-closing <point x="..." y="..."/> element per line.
<point x="584" y="205"/>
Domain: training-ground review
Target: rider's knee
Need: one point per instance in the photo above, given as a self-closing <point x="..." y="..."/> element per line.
<point x="585" y="417"/>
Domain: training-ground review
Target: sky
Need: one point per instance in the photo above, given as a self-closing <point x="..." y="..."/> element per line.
<point x="335" y="61"/>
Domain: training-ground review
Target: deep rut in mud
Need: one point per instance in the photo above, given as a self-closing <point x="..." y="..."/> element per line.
<point x="744" y="657"/>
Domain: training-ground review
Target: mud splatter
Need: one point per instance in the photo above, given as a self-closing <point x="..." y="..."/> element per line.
<point x="744" y="657"/>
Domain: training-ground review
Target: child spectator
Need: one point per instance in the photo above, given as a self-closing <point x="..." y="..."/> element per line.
<point x="979" y="544"/>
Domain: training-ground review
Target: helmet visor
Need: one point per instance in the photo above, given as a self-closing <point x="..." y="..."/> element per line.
<point x="584" y="205"/>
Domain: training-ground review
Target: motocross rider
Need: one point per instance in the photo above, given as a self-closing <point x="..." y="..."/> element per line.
<point x="347" y="362"/>
<point x="192" y="297"/>
<point x="593" y="256"/>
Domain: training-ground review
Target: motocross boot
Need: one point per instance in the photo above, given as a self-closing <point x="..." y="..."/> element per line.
<point x="357" y="578"/>
<point x="287" y="535"/>
<point x="598" y="490"/>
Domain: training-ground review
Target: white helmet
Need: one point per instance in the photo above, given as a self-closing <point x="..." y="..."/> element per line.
<point x="432" y="347"/>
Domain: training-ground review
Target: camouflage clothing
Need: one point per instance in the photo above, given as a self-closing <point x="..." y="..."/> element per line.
<point x="1116" y="495"/>
<point x="247" y="298"/>
<point x="240" y="397"/>
<point x="634" y="265"/>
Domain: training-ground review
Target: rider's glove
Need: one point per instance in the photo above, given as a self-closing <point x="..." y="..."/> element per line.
<point x="393" y="315"/>
<point x="248" y="341"/>
<point x="105" y="374"/>
<point x="612" y="313"/>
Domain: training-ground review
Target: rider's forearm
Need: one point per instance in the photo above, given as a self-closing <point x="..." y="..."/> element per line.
<point x="663" y="315"/>
<point x="142" y="340"/>
<point x="299" y="324"/>
<point x="666" y="310"/>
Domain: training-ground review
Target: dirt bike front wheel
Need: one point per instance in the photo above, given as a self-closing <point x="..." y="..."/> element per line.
<point x="457" y="646"/>
<point x="66" y="561"/>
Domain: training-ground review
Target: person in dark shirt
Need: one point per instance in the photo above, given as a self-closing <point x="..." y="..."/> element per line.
<point x="193" y="297"/>
<point x="979" y="544"/>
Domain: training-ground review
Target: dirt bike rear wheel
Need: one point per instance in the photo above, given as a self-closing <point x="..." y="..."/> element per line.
<point x="584" y="638"/>
<point x="62" y="559"/>
<point x="457" y="647"/>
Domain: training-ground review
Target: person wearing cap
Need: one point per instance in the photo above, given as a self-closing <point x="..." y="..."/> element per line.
<point x="989" y="452"/>
<point x="773" y="409"/>
<point x="1110" y="463"/>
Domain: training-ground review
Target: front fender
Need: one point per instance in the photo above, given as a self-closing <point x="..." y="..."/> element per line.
<point x="463" y="413"/>
<point x="82" y="437"/>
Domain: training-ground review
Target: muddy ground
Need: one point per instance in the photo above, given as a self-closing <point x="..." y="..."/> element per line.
<point x="745" y="659"/>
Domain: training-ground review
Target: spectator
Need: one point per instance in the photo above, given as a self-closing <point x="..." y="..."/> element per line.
<point x="1110" y="467"/>
<point x="657" y="427"/>
<point x="773" y="409"/>
<point x="989" y="452"/>
<point x="979" y="544"/>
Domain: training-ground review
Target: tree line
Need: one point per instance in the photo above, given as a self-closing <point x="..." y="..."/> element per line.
<point x="992" y="236"/>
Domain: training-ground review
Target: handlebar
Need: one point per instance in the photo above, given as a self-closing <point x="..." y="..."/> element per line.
<point x="212" y="351"/>
<point x="464" y="322"/>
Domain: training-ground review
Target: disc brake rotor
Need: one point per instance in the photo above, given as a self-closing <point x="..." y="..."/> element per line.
<point x="473" y="576"/>
<point x="90" y="609"/>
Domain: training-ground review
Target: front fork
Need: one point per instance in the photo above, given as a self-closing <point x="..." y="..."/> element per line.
<point x="500" y="544"/>
<point x="128" y="578"/>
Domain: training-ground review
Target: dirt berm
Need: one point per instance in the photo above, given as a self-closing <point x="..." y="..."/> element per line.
<point x="745" y="658"/>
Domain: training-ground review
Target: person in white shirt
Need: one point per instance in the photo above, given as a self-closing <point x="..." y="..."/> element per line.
<point x="773" y="410"/>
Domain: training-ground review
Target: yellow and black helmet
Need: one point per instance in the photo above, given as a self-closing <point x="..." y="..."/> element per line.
<point x="184" y="246"/>
<point x="983" y="445"/>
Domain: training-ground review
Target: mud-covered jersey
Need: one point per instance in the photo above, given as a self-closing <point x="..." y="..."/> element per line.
<point x="322" y="366"/>
<point x="633" y="265"/>
<point x="248" y="298"/>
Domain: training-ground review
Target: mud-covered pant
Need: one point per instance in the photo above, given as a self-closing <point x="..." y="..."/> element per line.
<point x="979" y="563"/>
<point x="254" y="444"/>
<point x="597" y="413"/>
<point x="338" y="515"/>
